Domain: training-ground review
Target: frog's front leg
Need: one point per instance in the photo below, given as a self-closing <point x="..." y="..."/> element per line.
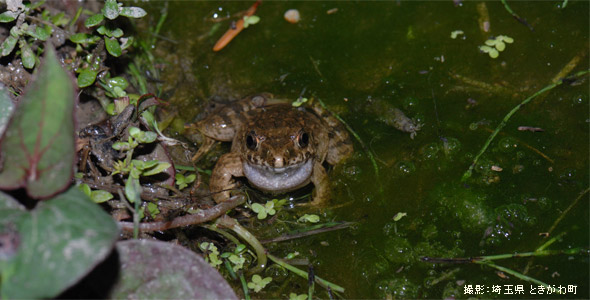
<point x="319" y="178"/>
<point x="222" y="182"/>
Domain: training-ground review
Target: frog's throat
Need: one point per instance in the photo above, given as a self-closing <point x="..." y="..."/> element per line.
<point x="278" y="180"/>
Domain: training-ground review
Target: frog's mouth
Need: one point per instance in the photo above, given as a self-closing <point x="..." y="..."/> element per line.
<point x="278" y="180"/>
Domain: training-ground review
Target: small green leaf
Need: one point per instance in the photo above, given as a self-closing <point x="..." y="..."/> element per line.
<point x="190" y="178"/>
<point x="8" y="45"/>
<point x="493" y="53"/>
<point x="148" y="137"/>
<point x="84" y="38"/>
<point x="153" y="209"/>
<point x="300" y="101"/>
<point x="399" y="216"/>
<point x="8" y="16"/>
<point x="26" y="54"/>
<point x="121" y="146"/>
<point x="309" y="218"/>
<point x="132" y="12"/>
<point x="293" y="296"/>
<point x="500" y="46"/>
<point x="86" y="77"/>
<point x="16" y="31"/>
<point x="132" y="189"/>
<point x="93" y="20"/>
<point x="147" y="164"/>
<point x="491" y="42"/>
<point x="160" y="167"/>
<point x="6" y="109"/>
<point x="60" y="19"/>
<point x="85" y="189"/>
<point x="134" y="131"/>
<point x="259" y="209"/>
<point x="118" y="82"/>
<point x="111" y="9"/>
<point x="100" y="196"/>
<point x="117" y="33"/>
<point x="113" y="46"/>
<point x="505" y="39"/>
<point x="103" y="30"/>
<point x="456" y="33"/>
<point x="257" y="283"/>
<point x="37" y="32"/>
<point x="110" y="109"/>
<point x="250" y="20"/>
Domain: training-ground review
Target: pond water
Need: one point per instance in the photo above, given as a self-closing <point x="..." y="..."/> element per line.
<point x="365" y="58"/>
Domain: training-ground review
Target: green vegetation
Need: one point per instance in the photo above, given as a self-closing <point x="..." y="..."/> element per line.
<point x="420" y="230"/>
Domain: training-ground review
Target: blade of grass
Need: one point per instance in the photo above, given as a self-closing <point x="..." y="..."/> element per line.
<point x="467" y="174"/>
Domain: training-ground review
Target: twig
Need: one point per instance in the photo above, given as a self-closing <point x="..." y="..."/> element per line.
<point x="467" y="174"/>
<point x="201" y="216"/>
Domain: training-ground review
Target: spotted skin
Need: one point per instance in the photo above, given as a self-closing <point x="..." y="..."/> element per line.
<point x="277" y="147"/>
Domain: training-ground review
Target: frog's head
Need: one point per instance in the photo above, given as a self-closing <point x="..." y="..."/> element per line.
<point x="278" y="149"/>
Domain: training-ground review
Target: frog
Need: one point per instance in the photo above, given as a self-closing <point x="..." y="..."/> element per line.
<point x="277" y="147"/>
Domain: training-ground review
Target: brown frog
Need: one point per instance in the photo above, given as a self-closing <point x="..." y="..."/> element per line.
<point x="277" y="147"/>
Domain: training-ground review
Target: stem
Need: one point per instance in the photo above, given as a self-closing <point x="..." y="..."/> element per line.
<point x="244" y="286"/>
<point x="224" y="233"/>
<point x="517" y="17"/>
<point x="564" y="4"/>
<point x="511" y="272"/>
<point x="549" y="242"/>
<point x="526" y="254"/>
<point x="324" y="283"/>
<point x="467" y="174"/>
<point x="135" y="217"/>
<point x="229" y="269"/>
<point x="567" y="210"/>
<point x="232" y="224"/>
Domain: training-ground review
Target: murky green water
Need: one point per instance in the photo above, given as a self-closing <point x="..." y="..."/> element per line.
<point x="400" y="54"/>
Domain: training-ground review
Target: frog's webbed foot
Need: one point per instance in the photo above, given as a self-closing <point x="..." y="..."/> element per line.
<point x="207" y="145"/>
<point x="321" y="193"/>
<point x="222" y="181"/>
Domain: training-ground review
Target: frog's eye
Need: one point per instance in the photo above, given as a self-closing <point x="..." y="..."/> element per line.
<point x="303" y="139"/>
<point x="251" y="141"/>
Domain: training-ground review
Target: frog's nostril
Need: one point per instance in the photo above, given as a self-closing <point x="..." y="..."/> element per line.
<point x="279" y="162"/>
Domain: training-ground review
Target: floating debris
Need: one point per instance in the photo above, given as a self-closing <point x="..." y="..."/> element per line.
<point x="237" y="27"/>
<point x="393" y="116"/>
<point x="332" y="11"/>
<point x="292" y="16"/>
<point x="456" y="33"/>
<point x="531" y="129"/>
<point x="496" y="168"/>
